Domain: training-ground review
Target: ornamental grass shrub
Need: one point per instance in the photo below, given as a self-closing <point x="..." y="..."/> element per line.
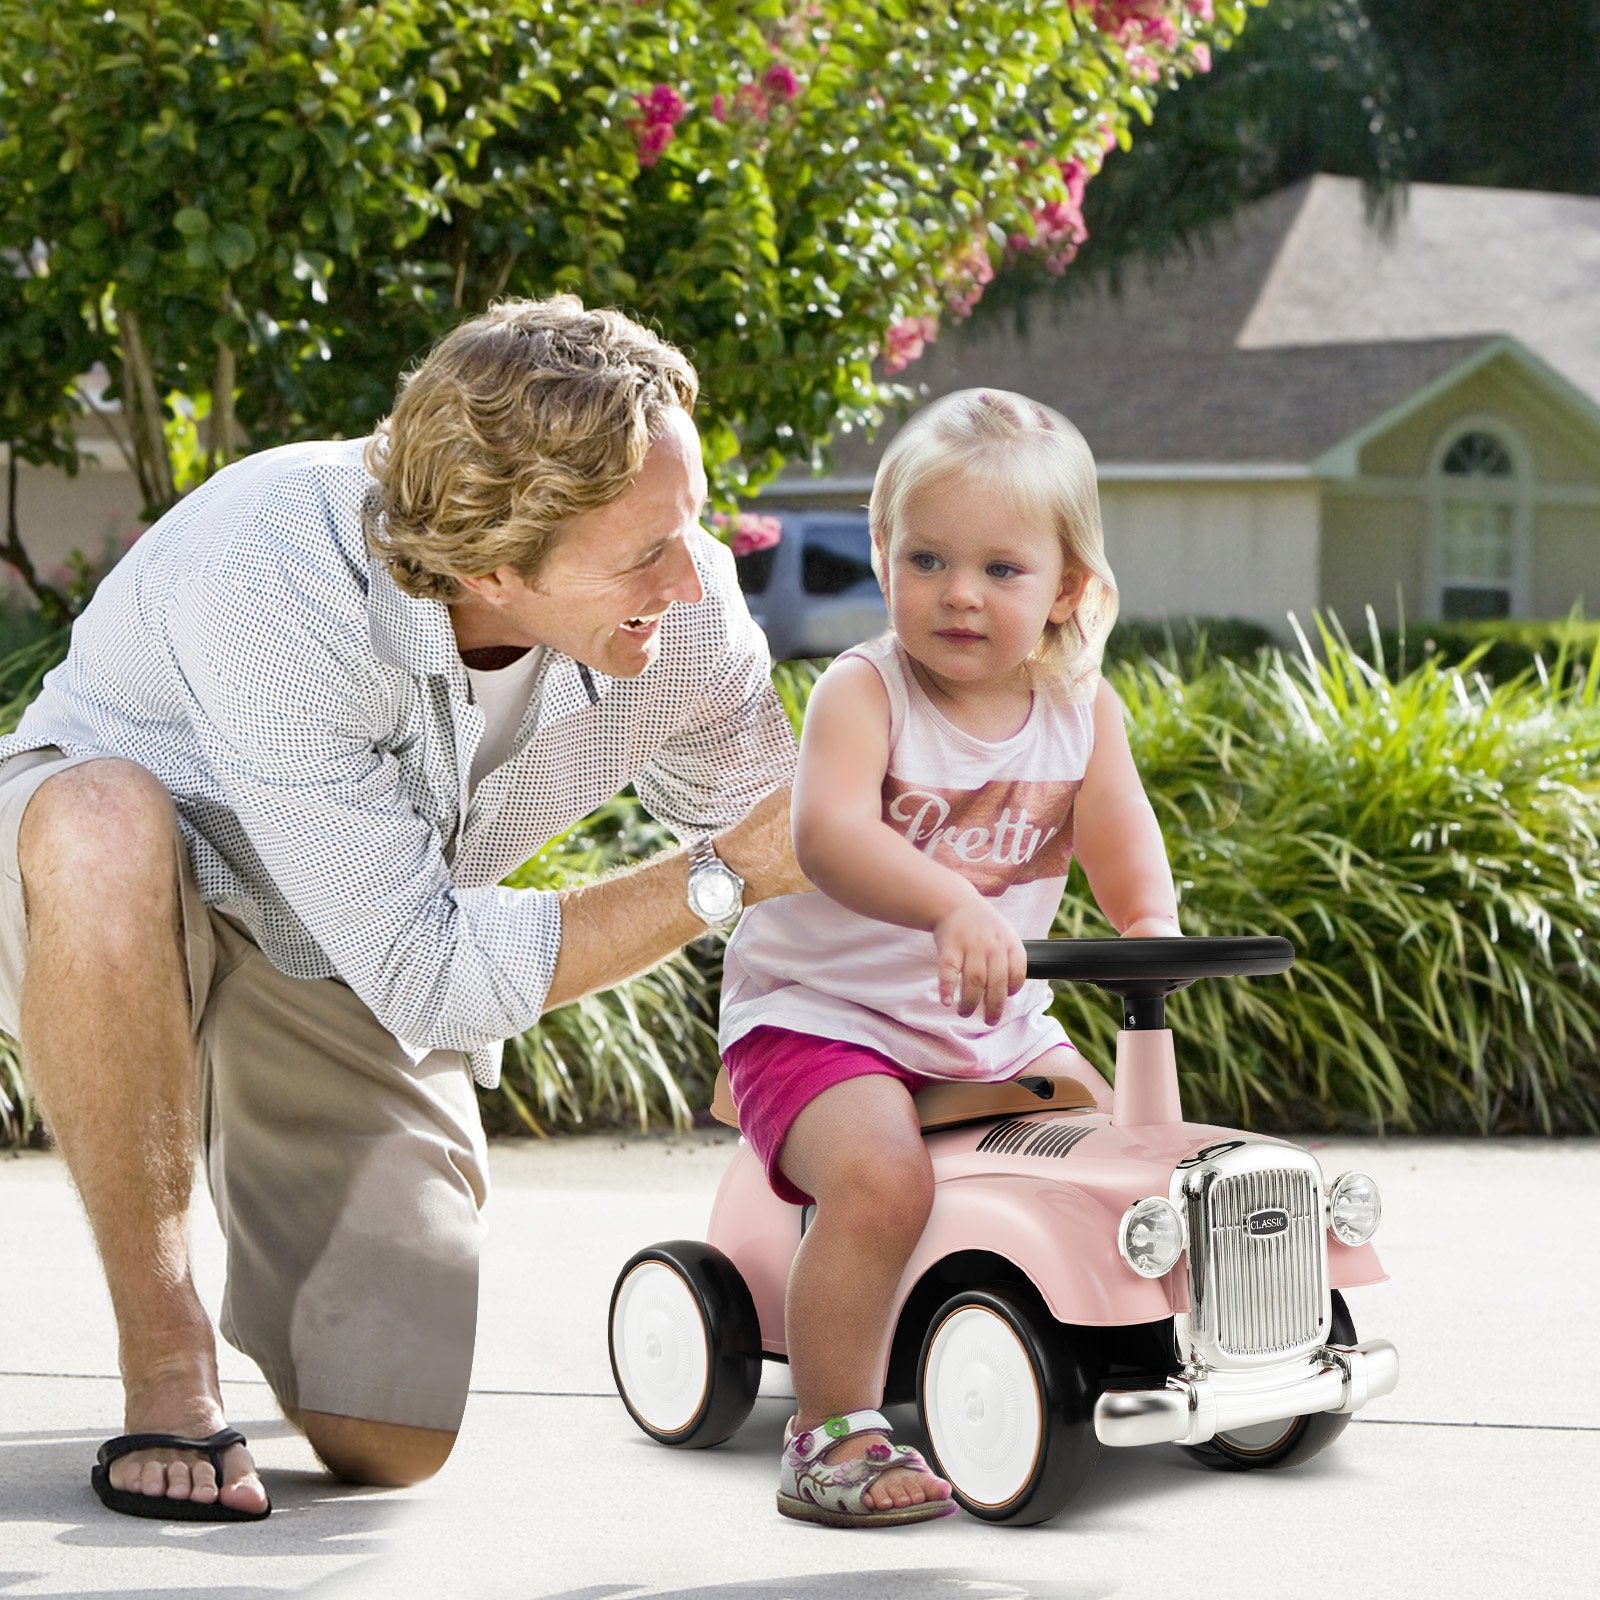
<point x="642" y="1052"/>
<point x="1427" y="845"/>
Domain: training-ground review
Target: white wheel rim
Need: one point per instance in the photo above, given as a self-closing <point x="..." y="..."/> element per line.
<point x="659" y="1343"/>
<point x="984" y="1413"/>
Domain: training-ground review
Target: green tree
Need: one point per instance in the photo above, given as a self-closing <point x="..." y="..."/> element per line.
<point x="254" y="213"/>
<point x="1436" y="91"/>
<point x="1496" y="94"/>
<point x="1310" y="87"/>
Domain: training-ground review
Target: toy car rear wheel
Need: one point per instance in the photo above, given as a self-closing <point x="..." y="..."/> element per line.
<point x="1007" y="1403"/>
<point x="685" y="1343"/>
<point x="1281" y="1444"/>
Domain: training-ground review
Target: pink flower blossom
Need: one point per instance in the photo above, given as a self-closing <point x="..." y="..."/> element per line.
<point x="1136" y="23"/>
<point x="719" y="108"/>
<point x="1203" y="9"/>
<point x="969" y="273"/>
<point x="1076" y="177"/>
<point x="1058" y="222"/>
<point x="779" y="79"/>
<point x="662" y="104"/>
<point x="652" y="138"/>
<point x="1202" y="58"/>
<point x="662" y="107"/>
<point x="1141" y="63"/>
<point x="751" y="533"/>
<point x="906" y="341"/>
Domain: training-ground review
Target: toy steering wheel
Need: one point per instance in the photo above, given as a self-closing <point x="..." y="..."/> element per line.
<point x="1145" y="971"/>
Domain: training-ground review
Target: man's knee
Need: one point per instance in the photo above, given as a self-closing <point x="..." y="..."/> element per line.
<point x="107" y="823"/>
<point x="381" y="1455"/>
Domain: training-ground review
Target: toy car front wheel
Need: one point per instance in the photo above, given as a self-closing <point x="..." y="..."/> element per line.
<point x="1008" y="1406"/>
<point x="1281" y="1444"/>
<point x="685" y="1343"/>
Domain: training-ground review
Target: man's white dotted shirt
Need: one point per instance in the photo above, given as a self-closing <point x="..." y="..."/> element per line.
<point x="316" y="729"/>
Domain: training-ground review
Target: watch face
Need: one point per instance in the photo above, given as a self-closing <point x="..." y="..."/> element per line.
<point x="715" y="894"/>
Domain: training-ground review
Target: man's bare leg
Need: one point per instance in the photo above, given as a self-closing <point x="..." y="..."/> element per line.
<point x="383" y="1454"/>
<point x="106" y="1037"/>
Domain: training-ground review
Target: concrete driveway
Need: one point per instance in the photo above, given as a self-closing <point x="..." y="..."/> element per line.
<point x="1477" y="1477"/>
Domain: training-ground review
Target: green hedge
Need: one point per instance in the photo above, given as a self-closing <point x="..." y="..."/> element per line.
<point x="1501" y="651"/>
<point x="1428" y="845"/>
<point x="1189" y="644"/>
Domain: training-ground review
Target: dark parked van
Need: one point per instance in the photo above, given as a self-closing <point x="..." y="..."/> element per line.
<point x="813" y="593"/>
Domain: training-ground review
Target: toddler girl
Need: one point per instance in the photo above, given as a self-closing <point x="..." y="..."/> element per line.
<point x="948" y="773"/>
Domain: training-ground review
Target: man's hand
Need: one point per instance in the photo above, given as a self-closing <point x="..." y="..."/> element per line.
<point x="616" y="928"/>
<point x="761" y="851"/>
<point x="981" y="959"/>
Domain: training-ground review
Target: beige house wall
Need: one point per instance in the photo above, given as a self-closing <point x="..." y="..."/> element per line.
<point x="1566" y="561"/>
<point x="96" y="512"/>
<point x="1380" y="528"/>
<point x="1372" y="552"/>
<point x="1235" y="549"/>
<point x="1561" y="451"/>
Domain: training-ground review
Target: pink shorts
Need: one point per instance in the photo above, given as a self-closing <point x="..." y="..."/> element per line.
<point x="774" y="1074"/>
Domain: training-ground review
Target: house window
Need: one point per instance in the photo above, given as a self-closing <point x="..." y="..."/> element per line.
<point x="1476" y="527"/>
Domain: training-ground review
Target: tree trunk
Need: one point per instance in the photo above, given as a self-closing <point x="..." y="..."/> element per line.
<point x="222" y="443"/>
<point x="151" y="460"/>
<point x="54" y="604"/>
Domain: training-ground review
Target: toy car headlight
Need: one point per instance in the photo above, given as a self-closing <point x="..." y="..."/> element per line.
<point x="1150" y="1237"/>
<point x="1354" y="1208"/>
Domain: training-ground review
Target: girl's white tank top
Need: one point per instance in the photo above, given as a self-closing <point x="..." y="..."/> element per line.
<point x="998" y="812"/>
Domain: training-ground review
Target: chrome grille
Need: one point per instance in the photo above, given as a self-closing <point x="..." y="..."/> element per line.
<point x="1256" y="1296"/>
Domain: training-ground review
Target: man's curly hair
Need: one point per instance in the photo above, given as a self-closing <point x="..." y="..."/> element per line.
<point x="515" y="422"/>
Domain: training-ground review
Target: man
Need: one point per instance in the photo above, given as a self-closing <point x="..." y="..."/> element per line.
<point x="252" y="832"/>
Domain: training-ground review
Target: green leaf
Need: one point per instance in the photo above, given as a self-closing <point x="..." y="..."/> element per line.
<point x="233" y="245"/>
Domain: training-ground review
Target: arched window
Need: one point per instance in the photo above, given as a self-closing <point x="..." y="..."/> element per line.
<point x="1479" y="538"/>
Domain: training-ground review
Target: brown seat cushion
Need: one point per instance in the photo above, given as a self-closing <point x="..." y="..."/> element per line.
<point x="943" y="1105"/>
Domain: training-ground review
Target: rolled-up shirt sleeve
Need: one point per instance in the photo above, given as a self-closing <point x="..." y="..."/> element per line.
<point x="322" y="804"/>
<point x="733" y="742"/>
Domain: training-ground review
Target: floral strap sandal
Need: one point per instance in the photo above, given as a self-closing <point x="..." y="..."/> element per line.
<point x="813" y="1490"/>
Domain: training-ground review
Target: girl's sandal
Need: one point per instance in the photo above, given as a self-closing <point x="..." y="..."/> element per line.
<point x="812" y="1490"/>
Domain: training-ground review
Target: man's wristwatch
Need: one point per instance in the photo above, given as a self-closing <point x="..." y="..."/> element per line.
<point x="716" y="891"/>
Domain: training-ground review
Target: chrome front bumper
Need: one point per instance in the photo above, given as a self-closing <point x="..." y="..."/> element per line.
<point x="1191" y="1408"/>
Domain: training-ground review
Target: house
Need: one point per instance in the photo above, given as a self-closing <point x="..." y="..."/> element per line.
<point x="1310" y="412"/>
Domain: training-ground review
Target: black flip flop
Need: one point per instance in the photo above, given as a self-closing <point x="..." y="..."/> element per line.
<point x="160" y="1507"/>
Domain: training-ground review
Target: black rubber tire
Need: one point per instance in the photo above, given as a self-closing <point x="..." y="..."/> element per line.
<point x="1064" y="1390"/>
<point x="1300" y="1438"/>
<point x="733" y="1341"/>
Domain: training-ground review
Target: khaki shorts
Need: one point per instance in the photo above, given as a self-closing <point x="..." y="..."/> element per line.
<point x="349" y="1182"/>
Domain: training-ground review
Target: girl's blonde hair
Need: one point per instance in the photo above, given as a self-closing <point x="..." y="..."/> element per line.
<point x="516" y="421"/>
<point x="1038" y="468"/>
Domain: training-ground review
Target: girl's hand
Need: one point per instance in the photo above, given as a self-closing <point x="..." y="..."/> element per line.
<point x="981" y="959"/>
<point x="1153" y="928"/>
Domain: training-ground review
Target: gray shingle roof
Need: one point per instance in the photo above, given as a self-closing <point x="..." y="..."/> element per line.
<point x="1296" y="326"/>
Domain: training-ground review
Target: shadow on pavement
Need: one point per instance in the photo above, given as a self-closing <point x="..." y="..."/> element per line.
<point x="924" y="1584"/>
<point x="44" y="1480"/>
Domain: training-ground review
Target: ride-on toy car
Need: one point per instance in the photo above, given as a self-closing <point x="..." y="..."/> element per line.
<point x="1095" y="1271"/>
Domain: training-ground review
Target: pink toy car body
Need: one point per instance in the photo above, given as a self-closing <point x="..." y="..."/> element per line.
<point x="1095" y="1271"/>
